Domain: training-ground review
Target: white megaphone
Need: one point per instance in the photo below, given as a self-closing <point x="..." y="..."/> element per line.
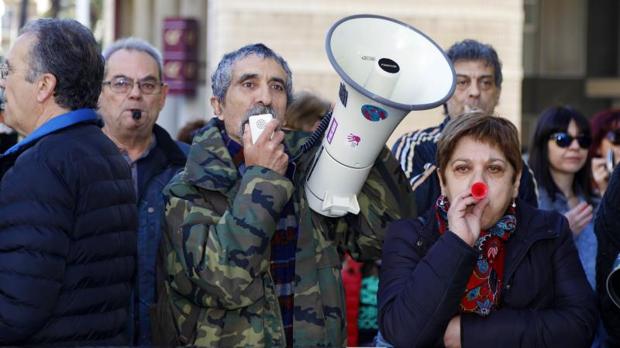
<point x="388" y="68"/>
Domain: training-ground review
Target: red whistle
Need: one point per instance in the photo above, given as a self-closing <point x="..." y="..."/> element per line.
<point x="479" y="190"/>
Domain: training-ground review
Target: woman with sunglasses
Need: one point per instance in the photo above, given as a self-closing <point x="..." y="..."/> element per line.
<point x="605" y="148"/>
<point x="561" y="164"/>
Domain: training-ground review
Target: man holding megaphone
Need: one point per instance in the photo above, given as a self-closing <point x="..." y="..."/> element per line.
<point x="245" y="257"/>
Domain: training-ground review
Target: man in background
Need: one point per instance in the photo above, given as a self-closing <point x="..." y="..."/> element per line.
<point x="478" y="88"/>
<point x="133" y="94"/>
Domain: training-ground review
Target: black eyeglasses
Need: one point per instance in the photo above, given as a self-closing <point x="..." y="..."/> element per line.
<point x="123" y="85"/>
<point x="563" y="139"/>
<point x="614" y="136"/>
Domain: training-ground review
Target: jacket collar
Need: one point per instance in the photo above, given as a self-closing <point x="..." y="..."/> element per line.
<point x="209" y="165"/>
<point x="174" y="151"/>
<point x="55" y="124"/>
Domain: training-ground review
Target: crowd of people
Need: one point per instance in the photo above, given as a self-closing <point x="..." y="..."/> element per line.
<point x="113" y="232"/>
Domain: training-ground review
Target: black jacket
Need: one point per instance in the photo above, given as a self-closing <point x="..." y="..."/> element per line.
<point x="546" y="299"/>
<point x="607" y="229"/>
<point x="67" y="239"/>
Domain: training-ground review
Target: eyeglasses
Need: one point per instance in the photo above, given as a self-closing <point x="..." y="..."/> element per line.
<point x="564" y="140"/>
<point x="123" y="85"/>
<point x="614" y="136"/>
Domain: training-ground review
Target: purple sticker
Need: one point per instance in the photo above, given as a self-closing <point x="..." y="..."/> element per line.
<point x="374" y="113"/>
<point x="332" y="130"/>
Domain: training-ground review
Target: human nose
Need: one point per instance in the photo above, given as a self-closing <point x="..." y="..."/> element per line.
<point x="478" y="175"/>
<point x="135" y="91"/>
<point x="264" y="95"/>
<point x="474" y="89"/>
<point x="574" y="144"/>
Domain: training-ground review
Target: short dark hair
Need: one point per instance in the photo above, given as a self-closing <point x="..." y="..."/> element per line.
<point x="222" y="76"/>
<point x="469" y="49"/>
<point x="552" y="120"/>
<point x="493" y="130"/>
<point x="68" y="50"/>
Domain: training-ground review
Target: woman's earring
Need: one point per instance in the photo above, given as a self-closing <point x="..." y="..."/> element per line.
<point x="514" y="204"/>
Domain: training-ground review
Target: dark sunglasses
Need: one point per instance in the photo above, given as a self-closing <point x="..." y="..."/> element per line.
<point x="563" y="140"/>
<point x="614" y="136"/>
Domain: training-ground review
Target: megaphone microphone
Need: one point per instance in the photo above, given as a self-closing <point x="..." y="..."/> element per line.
<point x="388" y="69"/>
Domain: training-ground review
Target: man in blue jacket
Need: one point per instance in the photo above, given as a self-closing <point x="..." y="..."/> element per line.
<point x="67" y="208"/>
<point x="133" y="94"/>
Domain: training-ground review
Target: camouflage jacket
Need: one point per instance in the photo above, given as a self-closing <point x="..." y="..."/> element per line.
<point x="217" y="245"/>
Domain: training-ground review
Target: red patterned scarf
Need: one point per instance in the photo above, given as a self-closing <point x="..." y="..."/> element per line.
<point x="485" y="283"/>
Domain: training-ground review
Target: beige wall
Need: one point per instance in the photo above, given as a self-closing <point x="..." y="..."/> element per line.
<point x="296" y="29"/>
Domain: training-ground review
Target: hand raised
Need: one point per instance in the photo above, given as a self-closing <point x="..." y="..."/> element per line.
<point x="268" y="151"/>
<point x="579" y="217"/>
<point x="464" y="216"/>
<point x="600" y="173"/>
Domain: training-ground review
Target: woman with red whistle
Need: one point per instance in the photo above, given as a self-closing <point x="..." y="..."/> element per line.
<point x="483" y="269"/>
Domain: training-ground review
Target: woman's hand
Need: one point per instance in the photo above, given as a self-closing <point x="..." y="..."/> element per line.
<point x="452" y="336"/>
<point x="579" y="217"/>
<point x="600" y="174"/>
<point x="464" y="216"/>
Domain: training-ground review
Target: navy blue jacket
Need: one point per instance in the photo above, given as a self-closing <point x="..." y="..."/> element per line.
<point x="417" y="150"/>
<point x="607" y="229"/>
<point x="546" y="300"/>
<point x="154" y="172"/>
<point x="67" y="236"/>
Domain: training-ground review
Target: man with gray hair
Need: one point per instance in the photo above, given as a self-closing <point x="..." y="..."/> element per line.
<point x="133" y="94"/>
<point x="247" y="262"/>
<point x="67" y="206"/>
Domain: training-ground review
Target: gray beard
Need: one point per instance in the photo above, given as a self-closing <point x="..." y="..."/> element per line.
<point x="256" y="110"/>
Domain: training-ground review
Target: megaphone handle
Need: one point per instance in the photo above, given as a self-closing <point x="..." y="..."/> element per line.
<point x="315" y="136"/>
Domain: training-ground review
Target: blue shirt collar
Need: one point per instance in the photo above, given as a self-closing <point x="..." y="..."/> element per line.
<point x="59" y="122"/>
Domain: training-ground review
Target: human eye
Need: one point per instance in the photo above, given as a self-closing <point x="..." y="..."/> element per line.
<point x="148" y="86"/>
<point x="248" y="84"/>
<point x="462" y="82"/>
<point x="121" y="82"/>
<point x="278" y="87"/>
<point x="461" y="168"/>
<point x="495" y="169"/>
<point x="486" y="83"/>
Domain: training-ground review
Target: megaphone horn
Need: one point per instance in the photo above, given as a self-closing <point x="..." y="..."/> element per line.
<point x="388" y="68"/>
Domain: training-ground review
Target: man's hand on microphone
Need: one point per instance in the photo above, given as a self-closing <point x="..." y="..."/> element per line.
<point x="268" y="151"/>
